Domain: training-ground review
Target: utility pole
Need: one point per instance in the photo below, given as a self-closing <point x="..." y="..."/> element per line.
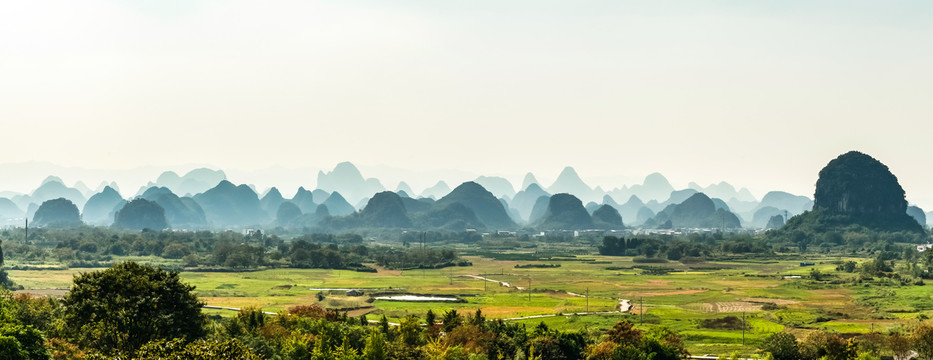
<point x="743" y="328"/>
<point x="26" y="238"/>
<point x="641" y="311"/>
<point x="485" y="281"/>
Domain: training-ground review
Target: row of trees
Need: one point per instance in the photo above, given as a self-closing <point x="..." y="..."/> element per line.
<point x="677" y="248"/>
<point x="820" y="345"/>
<point x="850" y="240"/>
<point x="89" y="246"/>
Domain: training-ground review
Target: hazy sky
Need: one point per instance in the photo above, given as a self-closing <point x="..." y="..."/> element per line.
<point x="758" y="93"/>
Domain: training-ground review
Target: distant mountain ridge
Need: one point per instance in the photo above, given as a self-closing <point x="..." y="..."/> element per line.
<point x="502" y="208"/>
<point x="349" y="181"/>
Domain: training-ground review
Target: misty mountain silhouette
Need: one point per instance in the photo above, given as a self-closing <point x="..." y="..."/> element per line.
<point x="697" y="211"/>
<point x="565" y="212"/>
<point x="630" y="209"/>
<point x="9" y="210"/>
<point x="51" y="188"/>
<point x="918" y="214"/>
<point x="569" y="182"/>
<point x="524" y="201"/>
<point x="385" y="209"/>
<point x="271" y="201"/>
<point x="723" y="190"/>
<point x="58" y="212"/>
<point x="84" y="189"/>
<point x="230" y="205"/>
<point x="655" y="187"/>
<point x="286" y="212"/>
<point x="305" y="200"/>
<point x="644" y="214"/>
<point x="103" y="184"/>
<point x="180" y="212"/>
<point x="497" y="186"/>
<point x="141" y="214"/>
<point x="347" y="179"/>
<point x="437" y="191"/>
<point x="337" y="205"/>
<point x="194" y="182"/>
<point x="403" y="186"/>
<point x="528" y="180"/>
<point x="857" y="189"/>
<point x="763" y="216"/>
<point x="794" y="204"/>
<point x="99" y="209"/>
<point x="453" y="216"/>
<point x="539" y="209"/>
<point x="607" y="217"/>
<point x="319" y="196"/>
<point x="482" y="202"/>
<point x="775" y="222"/>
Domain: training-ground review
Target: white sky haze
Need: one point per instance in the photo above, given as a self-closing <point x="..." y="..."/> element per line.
<point x="761" y="94"/>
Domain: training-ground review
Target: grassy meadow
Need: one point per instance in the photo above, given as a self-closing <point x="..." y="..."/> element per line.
<point x="680" y="300"/>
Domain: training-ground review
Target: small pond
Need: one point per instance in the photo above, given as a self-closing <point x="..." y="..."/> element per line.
<point x="417" y="298"/>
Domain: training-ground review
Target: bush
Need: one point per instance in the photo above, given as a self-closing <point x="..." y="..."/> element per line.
<point x="726" y="323"/>
<point x="124" y="307"/>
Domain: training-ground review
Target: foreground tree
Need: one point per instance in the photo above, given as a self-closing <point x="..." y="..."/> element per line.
<point x="18" y="341"/>
<point x="120" y="309"/>
<point x="782" y="346"/>
<point x="922" y="338"/>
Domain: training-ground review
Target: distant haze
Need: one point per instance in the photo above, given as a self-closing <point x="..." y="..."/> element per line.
<point x="760" y="94"/>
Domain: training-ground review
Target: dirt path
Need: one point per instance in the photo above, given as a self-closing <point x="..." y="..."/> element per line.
<point x="502" y="283"/>
<point x="624" y="305"/>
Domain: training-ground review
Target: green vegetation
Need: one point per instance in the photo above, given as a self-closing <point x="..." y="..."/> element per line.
<point x="695" y="285"/>
<point x="120" y="309"/>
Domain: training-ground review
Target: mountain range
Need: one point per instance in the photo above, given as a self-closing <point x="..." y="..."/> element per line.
<point x="205" y="198"/>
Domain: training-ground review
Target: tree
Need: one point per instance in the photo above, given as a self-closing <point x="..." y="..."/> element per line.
<point x="451" y="320"/>
<point x="819" y="345"/>
<point x="410" y="331"/>
<point x="624" y="333"/>
<point x="22" y="342"/>
<point x="782" y="346"/>
<point x="118" y="310"/>
<point x="922" y="338"/>
<point x="375" y="347"/>
<point x="5" y="282"/>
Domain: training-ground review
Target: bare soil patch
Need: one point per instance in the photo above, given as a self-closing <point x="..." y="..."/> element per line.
<point x="774" y="301"/>
<point x="746" y="284"/>
<point x="731" y="306"/>
<point x="665" y="293"/>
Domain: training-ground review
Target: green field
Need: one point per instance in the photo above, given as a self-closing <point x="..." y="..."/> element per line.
<point x="679" y="300"/>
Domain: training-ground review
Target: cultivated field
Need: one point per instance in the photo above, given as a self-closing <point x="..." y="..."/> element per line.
<point x="679" y="300"/>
